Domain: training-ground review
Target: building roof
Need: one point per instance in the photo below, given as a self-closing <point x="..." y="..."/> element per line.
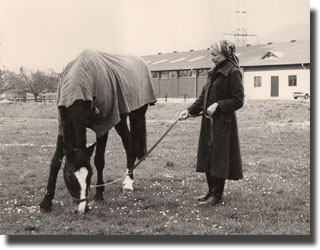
<point x="288" y="53"/>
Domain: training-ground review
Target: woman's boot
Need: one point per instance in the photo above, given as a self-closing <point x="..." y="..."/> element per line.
<point x="217" y="191"/>
<point x="205" y="197"/>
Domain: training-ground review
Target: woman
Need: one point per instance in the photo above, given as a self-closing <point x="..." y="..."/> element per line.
<point x="219" y="150"/>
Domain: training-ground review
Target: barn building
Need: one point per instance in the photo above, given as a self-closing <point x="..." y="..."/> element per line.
<point x="272" y="70"/>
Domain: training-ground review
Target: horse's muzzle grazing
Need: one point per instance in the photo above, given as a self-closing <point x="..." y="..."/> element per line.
<point x="78" y="183"/>
<point x="82" y="207"/>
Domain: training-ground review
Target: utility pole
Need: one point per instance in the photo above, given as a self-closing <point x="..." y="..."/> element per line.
<point x="240" y="34"/>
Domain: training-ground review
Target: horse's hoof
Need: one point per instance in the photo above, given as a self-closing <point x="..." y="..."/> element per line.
<point x="46" y="205"/>
<point x="127" y="191"/>
<point x="45" y="209"/>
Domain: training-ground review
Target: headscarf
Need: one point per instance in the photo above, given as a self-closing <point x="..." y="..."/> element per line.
<point x="227" y="49"/>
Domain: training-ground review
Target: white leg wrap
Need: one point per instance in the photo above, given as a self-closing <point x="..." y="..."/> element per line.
<point x="128" y="184"/>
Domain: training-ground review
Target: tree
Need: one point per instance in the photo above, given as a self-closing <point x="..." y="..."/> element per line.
<point x="3" y="86"/>
<point x="35" y="82"/>
<point x="52" y="80"/>
<point x="10" y="80"/>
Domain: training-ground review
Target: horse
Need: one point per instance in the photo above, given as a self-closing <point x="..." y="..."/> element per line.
<point x="99" y="91"/>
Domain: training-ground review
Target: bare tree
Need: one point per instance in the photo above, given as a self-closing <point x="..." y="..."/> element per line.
<point x="34" y="82"/>
<point x="9" y="80"/>
<point x="52" y="80"/>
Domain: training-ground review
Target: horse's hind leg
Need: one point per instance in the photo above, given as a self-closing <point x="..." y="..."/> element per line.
<point x="55" y="165"/>
<point x="138" y="130"/>
<point x="99" y="161"/>
<point x="123" y="130"/>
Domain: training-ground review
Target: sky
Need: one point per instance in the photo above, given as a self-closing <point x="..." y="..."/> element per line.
<point x="42" y="34"/>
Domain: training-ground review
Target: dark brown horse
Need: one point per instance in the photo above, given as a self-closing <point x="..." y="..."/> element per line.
<point x="98" y="91"/>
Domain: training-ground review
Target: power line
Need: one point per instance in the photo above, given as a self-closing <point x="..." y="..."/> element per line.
<point x="240" y="34"/>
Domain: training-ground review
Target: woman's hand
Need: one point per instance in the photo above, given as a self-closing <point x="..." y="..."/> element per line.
<point x="211" y="109"/>
<point x="184" y="115"/>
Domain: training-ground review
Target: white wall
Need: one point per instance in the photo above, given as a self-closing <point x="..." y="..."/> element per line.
<point x="285" y="91"/>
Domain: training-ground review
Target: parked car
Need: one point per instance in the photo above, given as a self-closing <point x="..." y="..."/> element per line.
<point x="297" y="95"/>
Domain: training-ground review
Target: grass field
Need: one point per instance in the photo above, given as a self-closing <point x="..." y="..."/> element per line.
<point x="272" y="199"/>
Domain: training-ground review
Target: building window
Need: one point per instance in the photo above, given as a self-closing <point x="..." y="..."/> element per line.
<point x="203" y="72"/>
<point x="185" y="73"/>
<point x="292" y="80"/>
<point x="155" y="74"/>
<point x="257" y="81"/>
<point x="164" y="75"/>
<point x="173" y="74"/>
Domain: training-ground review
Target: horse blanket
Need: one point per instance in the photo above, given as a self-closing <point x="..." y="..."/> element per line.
<point x="115" y="84"/>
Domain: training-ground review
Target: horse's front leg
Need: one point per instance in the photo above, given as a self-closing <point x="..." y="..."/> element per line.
<point x="99" y="161"/>
<point x="55" y="166"/>
<point x="123" y="130"/>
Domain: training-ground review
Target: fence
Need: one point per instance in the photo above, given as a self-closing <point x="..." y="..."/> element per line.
<point x="46" y="100"/>
<point x="42" y="99"/>
<point x="167" y="98"/>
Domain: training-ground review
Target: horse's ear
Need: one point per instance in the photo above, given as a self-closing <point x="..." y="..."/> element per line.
<point x="89" y="150"/>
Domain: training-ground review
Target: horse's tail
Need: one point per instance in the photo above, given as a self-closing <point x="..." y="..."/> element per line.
<point x="139" y="131"/>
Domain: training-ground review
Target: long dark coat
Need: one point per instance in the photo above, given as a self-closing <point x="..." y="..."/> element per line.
<point x="219" y="148"/>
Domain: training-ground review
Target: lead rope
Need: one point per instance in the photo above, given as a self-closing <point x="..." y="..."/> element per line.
<point x="146" y="155"/>
<point x="141" y="160"/>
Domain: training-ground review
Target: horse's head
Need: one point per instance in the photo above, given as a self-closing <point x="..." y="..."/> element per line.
<point x="77" y="170"/>
<point x="77" y="175"/>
